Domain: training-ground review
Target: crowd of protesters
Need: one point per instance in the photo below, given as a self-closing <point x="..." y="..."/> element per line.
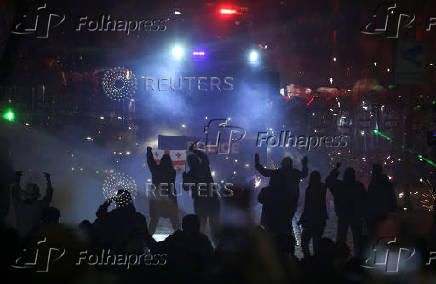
<point x="239" y="252"/>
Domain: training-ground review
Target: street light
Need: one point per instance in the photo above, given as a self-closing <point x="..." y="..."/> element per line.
<point x="177" y="52"/>
<point x="253" y="57"/>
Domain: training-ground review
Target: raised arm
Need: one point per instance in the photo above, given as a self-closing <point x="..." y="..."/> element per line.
<point x="49" y="194"/>
<point x="150" y="160"/>
<point x="261" y="169"/>
<point x="332" y="180"/>
<point x="392" y="197"/>
<point x="305" y="170"/>
<point x="102" y="210"/>
<point x="15" y="187"/>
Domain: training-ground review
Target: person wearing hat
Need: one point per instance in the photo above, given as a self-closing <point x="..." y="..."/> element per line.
<point x="29" y="208"/>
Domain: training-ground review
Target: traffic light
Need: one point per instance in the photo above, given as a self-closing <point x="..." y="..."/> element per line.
<point x="9" y="115"/>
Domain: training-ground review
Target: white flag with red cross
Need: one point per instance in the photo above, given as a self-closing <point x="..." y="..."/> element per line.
<point x="177" y="156"/>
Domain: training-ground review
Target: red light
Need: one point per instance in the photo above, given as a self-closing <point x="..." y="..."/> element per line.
<point x="227" y="11"/>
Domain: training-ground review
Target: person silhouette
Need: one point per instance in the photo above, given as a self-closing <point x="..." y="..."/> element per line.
<point x="189" y="252"/>
<point x="6" y="179"/>
<point x="381" y="196"/>
<point x="29" y="209"/>
<point x="164" y="203"/>
<point x="203" y="190"/>
<point x="350" y="205"/>
<point x="122" y="229"/>
<point x="313" y="219"/>
<point x="280" y="198"/>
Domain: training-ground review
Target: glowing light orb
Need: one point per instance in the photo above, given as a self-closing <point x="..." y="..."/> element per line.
<point x="177" y="52"/>
<point x="253" y="56"/>
<point x="9" y="115"/>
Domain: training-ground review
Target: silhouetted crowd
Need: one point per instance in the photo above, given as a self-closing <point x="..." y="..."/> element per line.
<point x="236" y="252"/>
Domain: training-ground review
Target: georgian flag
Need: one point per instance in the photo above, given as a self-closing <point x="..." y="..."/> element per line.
<point x="177" y="156"/>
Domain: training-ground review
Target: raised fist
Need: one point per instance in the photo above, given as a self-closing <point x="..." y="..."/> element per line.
<point x="256" y="158"/>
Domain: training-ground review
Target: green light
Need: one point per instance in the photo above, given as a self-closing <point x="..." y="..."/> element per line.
<point x="390" y="87"/>
<point x="433" y="102"/>
<point x="428" y="161"/>
<point x="377" y="87"/>
<point x="375" y="131"/>
<point x="9" y="115"/>
<point x="417" y="107"/>
<point x="382" y="135"/>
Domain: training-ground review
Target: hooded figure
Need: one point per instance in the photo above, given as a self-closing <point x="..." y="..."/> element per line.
<point x="381" y="196"/>
<point x="189" y="252"/>
<point x="163" y="202"/>
<point x="121" y="230"/>
<point x="279" y="200"/>
<point x="204" y="192"/>
<point x="29" y="209"/>
<point x="350" y="205"/>
<point x="7" y="213"/>
<point x="313" y="219"/>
